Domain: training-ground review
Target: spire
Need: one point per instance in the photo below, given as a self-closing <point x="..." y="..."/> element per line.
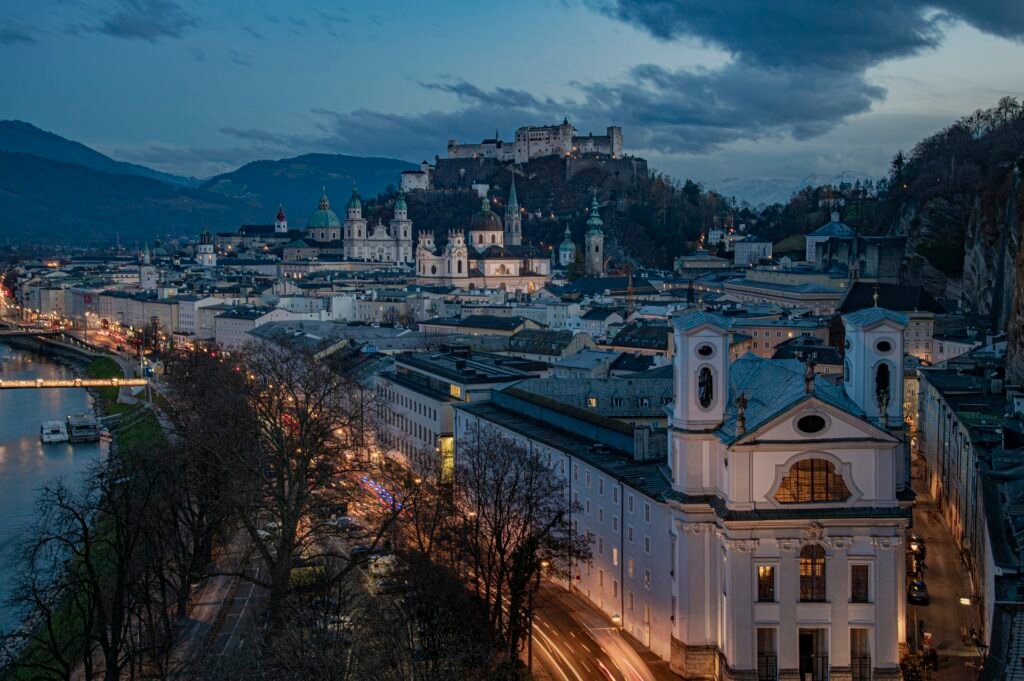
<point x="280" y="212"/>
<point x="513" y="201"/>
<point x="594" y="222"/>
<point x="325" y="203"/>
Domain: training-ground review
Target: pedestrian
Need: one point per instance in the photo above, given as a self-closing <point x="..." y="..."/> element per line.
<point x="933" y="657"/>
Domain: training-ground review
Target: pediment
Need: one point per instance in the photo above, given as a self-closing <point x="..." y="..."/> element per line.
<point x="838" y="425"/>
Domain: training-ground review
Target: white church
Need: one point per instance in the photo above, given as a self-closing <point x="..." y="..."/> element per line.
<point x="769" y="545"/>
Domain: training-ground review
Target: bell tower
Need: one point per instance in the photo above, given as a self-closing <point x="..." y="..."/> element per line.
<point x="701" y="370"/>
<point x="873" y="366"/>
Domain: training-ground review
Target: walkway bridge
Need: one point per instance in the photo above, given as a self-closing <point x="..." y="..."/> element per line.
<point x="20" y="384"/>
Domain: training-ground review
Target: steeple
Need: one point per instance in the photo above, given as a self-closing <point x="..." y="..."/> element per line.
<point x="325" y="203"/>
<point x="594" y="222"/>
<point x="513" y="220"/>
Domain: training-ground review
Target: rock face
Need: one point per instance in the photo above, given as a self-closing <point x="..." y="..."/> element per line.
<point x="935" y="231"/>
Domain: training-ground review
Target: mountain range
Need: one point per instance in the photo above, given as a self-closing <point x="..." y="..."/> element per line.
<point x="56" y="190"/>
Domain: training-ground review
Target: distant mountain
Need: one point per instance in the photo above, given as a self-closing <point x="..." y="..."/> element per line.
<point x="25" y="138"/>
<point x="47" y="201"/>
<point x="296" y="182"/>
<point x="766" y="191"/>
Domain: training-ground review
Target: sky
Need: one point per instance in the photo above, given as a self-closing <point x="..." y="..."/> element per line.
<point x="720" y="91"/>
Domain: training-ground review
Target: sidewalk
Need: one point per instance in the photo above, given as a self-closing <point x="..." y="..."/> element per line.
<point x="945" y="618"/>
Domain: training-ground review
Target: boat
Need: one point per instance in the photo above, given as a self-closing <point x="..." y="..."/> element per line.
<point x="83" y="428"/>
<point x="53" y="431"/>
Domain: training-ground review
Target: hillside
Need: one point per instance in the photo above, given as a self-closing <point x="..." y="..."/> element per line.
<point x="296" y="182"/>
<point x="46" y="201"/>
<point x="25" y="138"/>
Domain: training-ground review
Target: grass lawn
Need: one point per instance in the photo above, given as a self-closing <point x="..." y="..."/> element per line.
<point x="104" y="367"/>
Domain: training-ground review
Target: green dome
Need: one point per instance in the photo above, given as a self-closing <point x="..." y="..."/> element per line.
<point x="354" y="203"/>
<point x="324" y="216"/>
<point x="400" y="202"/>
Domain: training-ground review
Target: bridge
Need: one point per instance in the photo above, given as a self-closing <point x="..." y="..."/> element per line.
<point x="17" y="384"/>
<point x="29" y="332"/>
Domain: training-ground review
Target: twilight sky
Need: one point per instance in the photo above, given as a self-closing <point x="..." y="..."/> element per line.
<point x="708" y="89"/>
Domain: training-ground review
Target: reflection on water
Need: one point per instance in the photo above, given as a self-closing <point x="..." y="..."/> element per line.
<point x="25" y="463"/>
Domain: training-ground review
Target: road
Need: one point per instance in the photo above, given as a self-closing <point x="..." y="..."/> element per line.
<point x="575" y="642"/>
<point x="947" y="582"/>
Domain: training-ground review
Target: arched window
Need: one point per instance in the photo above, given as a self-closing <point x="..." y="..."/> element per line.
<point x="846" y="371"/>
<point x="812" y="573"/>
<point x="810" y="481"/>
<point x="492" y="239"/>
<point x="460" y="267"/>
<point x="882" y="380"/>
<point x="705" y="387"/>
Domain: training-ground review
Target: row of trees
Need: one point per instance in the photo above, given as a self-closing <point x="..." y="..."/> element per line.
<point x="264" y="448"/>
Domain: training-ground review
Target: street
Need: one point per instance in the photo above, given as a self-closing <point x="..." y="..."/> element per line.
<point x="574" y="642"/>
<point x="944" y="617"/>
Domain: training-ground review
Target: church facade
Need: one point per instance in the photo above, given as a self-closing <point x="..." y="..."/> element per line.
<point x="490" y="256"/>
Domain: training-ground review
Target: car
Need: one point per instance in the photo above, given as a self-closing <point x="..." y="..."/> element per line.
<point x="916" y="544"/>
<point x="363" y="552"/>
<point x="918" y="593"/>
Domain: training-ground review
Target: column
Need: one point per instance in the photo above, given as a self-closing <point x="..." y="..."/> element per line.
<point x="739" y="647"/>
<point x="838" y="577"/>
<point x="789" y="594"/>
<point x="885" y="654"/>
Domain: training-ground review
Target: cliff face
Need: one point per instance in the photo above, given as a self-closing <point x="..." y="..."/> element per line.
<point x="935" y="231"/>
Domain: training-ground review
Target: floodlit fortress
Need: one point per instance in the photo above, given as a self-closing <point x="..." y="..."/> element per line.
<point x="545" y="140"/>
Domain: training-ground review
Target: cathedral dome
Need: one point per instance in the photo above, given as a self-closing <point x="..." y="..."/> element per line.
<point x="324" y="216"/>
<point x="486" y="220"/>
<point x="354" y="203"/>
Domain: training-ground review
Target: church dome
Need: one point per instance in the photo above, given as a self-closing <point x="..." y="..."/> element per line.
<point x="486" y="220"/>
<point x="400" y="202"/>
<point x="324" y="216"/>
<point x="354" y="203"/>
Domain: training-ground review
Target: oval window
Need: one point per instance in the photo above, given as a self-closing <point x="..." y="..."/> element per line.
<point x="705" y="351"/>
<point x="883" y="346"/>
<point x="811" y="423"/>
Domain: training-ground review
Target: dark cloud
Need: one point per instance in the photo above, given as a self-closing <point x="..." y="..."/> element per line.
<point x="148" y="20"/>
<point x="11" y="34"/>
<point x="844" y="36"/>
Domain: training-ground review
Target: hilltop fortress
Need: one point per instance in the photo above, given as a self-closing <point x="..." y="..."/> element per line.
<point x="546" y="140"/>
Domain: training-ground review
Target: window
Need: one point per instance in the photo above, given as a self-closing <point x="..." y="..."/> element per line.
<point x="588" y="507"/>
<point x="615" y="556"/>
<point x="454" y="391"/>
<point x="647" y="579"/>
<point x="811" y="423"/>
<point x="629" y="599"/>
<point x="575" y="472"/>
<point x="600" y="486"/>
<point x="705" y="387"/>
<point x="860" y="585"/>
<point x="615" y="523"/>
<point x="629" y="502"/>
<point x="588" y="479"/>
<point x="615" y="495"/>
<point x="766" y="583"/>
<point x="811" y="481"/>
<point x="629" y="568"/>
<point x="812" y="573"/>
<point x="647" y="544"/>
<point x="600" y="546"/>
<point x="600" y="515"/>
<point x="592" y="402"/>
<point x="629" y="534"/>
<point x="886" y="346"/>
<point x="644" y="401"/>
<point x="882" y="380"/>
<point x="647" y="512"/>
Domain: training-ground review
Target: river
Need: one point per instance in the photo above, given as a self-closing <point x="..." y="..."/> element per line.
<point x="25" y="463"/>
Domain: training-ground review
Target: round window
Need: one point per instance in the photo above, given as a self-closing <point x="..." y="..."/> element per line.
<point x="705" y="350"/>
<point x="811" y="423"/>
<point x="883" y="346"/>
<point x="847" y="344"/>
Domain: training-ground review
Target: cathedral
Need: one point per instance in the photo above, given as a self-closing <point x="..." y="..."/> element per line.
<point x="491" y="256"/>
<point x="391" y="243"/>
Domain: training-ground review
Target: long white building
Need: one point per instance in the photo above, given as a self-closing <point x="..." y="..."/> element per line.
<point x="767" y="542"/>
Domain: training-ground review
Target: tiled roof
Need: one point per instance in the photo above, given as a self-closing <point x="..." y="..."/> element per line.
<point x="870" y="316"/>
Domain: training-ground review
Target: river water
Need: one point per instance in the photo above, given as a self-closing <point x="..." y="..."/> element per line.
<point x="25" y="463"/>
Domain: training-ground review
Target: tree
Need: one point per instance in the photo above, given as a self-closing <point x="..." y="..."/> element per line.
<point x="303" y="432"/>
<point x="515" y="514"/>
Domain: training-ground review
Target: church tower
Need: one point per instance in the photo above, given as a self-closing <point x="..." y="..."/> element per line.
<point x="873" y="366"/>
<point x="205" y="255"/>
<point x="355" y="227"/>
<point x="567" y="251"/>
<point x="401" y="231"/>
<point x="280" y="222"/>
<point x="513" y="220"/>
<point x="593" y="241"/>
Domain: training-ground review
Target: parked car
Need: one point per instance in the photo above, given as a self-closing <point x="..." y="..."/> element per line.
<point x="918" y="593"/>
<point x="917" y="545"/>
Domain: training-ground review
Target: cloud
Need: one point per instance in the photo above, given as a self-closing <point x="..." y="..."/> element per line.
<point x="11" y="34"/>
<point x="149" y="20"/>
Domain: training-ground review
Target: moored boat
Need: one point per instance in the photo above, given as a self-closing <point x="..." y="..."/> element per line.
<point x="52" y="431"/>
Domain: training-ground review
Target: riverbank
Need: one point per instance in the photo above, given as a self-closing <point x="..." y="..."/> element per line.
<point x="131" y="425"/>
